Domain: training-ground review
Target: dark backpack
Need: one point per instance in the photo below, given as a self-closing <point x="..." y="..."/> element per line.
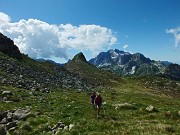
<point x="93" y="98"/>
<point x="98" y="100"/>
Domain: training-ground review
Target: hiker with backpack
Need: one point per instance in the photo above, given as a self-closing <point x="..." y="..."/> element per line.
<point x="98" y="103"/>
<point x="92" y="99"/>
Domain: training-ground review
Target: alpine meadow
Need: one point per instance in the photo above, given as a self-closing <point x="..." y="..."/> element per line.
<point x="90" y="67"/>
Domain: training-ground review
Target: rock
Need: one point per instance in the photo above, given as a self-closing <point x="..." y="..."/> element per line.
<point x="9" y="115"/>
<point x="3" y="114"/>
<point x="5" y="93"/>
<point x="20" y="114"/>
<point x="66" y="128"/>
<point x="71" y="126"/>
<point x="3" y="81"/>
<point x="57" y="132"/>
<point x="11" y="125"/>
<point x="59" y="126"/>
<point x="4" y="121"/>
<point x="151" y="109"/>
<point x="179" y="113"/>
<point x="2" y="130"/>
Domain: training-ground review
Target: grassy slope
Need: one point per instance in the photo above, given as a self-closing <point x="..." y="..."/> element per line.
<point x="92" y="74"/>
<point x="73" y="107"/>
<point x="42" y="66"/>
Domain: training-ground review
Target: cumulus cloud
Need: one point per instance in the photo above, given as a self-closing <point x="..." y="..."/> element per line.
<point x="40" y="39"/>
<point x="125" y="46"/>
<point x="176" y="33"/>
<point x="4" y="18"/>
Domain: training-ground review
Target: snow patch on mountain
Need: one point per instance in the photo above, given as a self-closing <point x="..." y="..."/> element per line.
<point x="104" y="65"/>
<point x="133" y="70"/>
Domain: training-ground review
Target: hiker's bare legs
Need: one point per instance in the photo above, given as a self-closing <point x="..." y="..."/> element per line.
<point x="98" y="110"/>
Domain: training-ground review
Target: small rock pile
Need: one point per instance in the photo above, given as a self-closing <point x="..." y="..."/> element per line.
<point x="61" y="126"/>
<point x="10" y="119"/>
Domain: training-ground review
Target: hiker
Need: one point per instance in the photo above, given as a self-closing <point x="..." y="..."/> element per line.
<point x="92" y="99"/>
<point x="98" y="102"/>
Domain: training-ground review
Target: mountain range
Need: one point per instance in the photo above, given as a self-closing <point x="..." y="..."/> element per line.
<point x="127" y="64"/>
<point x="77" y="73"/>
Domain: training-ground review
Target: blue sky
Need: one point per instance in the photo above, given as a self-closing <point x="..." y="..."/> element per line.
<point x="151" y="27"/>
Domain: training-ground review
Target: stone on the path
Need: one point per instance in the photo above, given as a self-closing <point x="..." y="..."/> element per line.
<point x="151" y="109"/>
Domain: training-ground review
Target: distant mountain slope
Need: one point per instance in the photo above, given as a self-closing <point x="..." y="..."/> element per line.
<point x="20" y="71"/>
<point x="7" y="46"/>
<point x="173" y="71"/>
<point x="50" y="61"/>
<point x="127" y="64"/>
<point x="80" y="67"/>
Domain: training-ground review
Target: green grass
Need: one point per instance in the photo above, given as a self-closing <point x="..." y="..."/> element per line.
<point x="73" y="107"/>
<point x="92" y="74"/>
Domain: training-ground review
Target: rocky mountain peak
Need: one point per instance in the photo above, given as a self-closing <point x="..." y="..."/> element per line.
<point x="7" y="47"/>
<point x="79" y="58"/>
<point x="140" y="58"/>
<point x="125" y="63"/>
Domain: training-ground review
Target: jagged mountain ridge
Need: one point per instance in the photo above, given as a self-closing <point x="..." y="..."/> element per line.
<point x="125" y="64"/>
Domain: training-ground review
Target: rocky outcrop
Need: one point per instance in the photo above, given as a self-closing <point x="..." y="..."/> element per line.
<point x="7" y="46"/>
<point x="10" y="118"/>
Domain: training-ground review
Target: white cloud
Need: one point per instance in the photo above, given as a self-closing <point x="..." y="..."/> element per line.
<point x="4" y="18"/>
<point x="125" y="46"/>
<point x="40" y="39"/>
<point x="176" y="33"/>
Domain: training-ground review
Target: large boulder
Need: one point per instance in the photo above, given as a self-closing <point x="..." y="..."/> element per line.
<point x="21" y="114"/>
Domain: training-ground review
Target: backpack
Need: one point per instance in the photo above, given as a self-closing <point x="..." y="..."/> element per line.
<point x="93" y="98"/>
<point x="98" y="100"/>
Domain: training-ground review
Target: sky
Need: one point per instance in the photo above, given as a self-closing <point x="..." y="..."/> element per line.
<point x="59" y="29"/>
